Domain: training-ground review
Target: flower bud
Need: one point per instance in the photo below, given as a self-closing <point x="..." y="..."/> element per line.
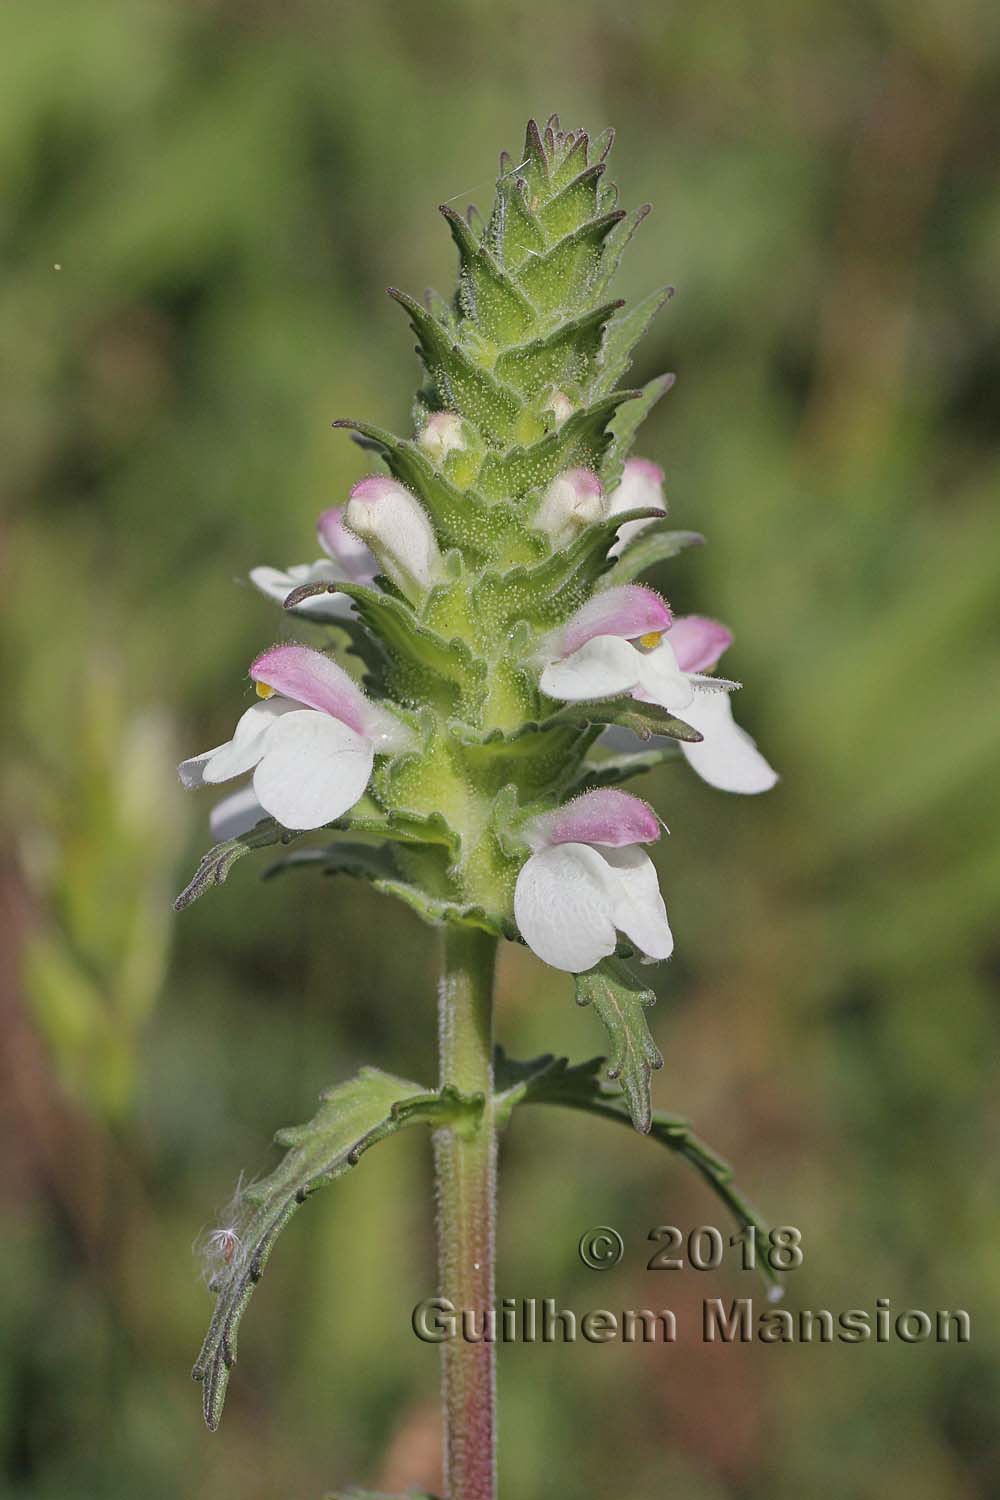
<point x="572" y="501"/>
<point x="395" y="527"/>
<point x="641" y="487"/>
<point x="560" y="406"/>
<point x="442" y="434"/>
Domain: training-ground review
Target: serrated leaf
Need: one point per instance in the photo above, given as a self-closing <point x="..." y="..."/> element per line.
<point x="626" y="424"/>
<point x="462" y="385"/>
<point x="582" y="440"/>
<point x="351" y="1118"/>
<point x="534" y="162"/>
<point x="460" y="518"/>
<point x="646" y="550"/>
<point x="564" y="274"/>
<point x="614" y="247"/>
<point x="513" y="231"/>
<point x="440" y="912"/>
<point x="486" y="291"/>
<point x="575" y="200"/>
<point x="215" y="866"/>
<point x="423" y="664"/>
<point x="552" y="1080"/>
<point x="621" y="337"/>
<point x="546" y="593"/>
<point x="621" y="1001"/>
<point x="567" y="356"/>
<point x="538" y="757"/>
<point x="547" y="1079"/>
<point x="571" y="158"/>
<point x="401" y="827"/>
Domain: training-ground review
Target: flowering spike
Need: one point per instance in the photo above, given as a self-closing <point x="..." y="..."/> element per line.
<point x="488" y="579"/>
<point x="491" y="646"/>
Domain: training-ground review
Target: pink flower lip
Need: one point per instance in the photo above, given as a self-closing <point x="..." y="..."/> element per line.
<point x="584" y="481"/>
<point x="605" y="816"/>
<point x="698" y="642"/>
<point x="331" y="530"/>
<point x="375" y="487"/>
<point x="645" y="469"/>
<point x="347" y="550"/>
<point x="309" y="677"/>
<point x="630" y="611"/>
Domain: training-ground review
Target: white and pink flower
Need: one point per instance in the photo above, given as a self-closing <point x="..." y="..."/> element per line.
<point x="573" y="500"/>
<point x="441" y="434"/>
<point x="393" y="523"/>
<point x="347" y="559"/>
<point x="624" y="642"/>
<point x="587" y="879"/>
<point x="640" y="488"/>
<point x="311" y="743"/>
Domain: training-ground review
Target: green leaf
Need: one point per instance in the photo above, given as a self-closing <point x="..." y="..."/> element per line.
<point x="369" y="862"/>
<point x="646" y="550"/>
<point x="461" y="384"/>
<point x="626" y="424"/>
<point x="564" y="274"/>
<point x="217" y="863"/>
<point x="614" y="769"/>
<point x="365" y="861"/>
<point x="615" y="244"/>
<point x="582" y="440"/>
<point x="401" y="827"/>
<point x="536" y="757"/>
<point x="351" y="1118"/>
<point x="486" y="291"/>
<point x="513" y="231"/>
<point x="643" y="719"/>
<point x="567" y="356"/>
<point x="577" y="201"/>
<point x="460" y="518"/>
<point x="621" y="337"/>
<point x="549" y="591"/>
<point x="534" y="162"/>
<point x="439" y="912"/>
<point x="423" y="665"/>
<point x="551" y="1080"/>
<point x="621" y="1002"/>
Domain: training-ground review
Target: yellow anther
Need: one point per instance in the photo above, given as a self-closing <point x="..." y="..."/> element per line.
<point x="653" y="638"/>
<point x="263" y="689"/>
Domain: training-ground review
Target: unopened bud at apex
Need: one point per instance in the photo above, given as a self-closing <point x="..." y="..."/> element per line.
<point x="572" y="501"/>
<point x="442" y="434"/>
<point x="395" y="526"/>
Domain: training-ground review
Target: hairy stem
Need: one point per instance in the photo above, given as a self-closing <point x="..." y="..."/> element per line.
<point x="466" y="1208"/>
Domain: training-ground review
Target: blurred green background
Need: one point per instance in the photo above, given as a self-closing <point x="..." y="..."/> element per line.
<point x="202" y="205"/>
